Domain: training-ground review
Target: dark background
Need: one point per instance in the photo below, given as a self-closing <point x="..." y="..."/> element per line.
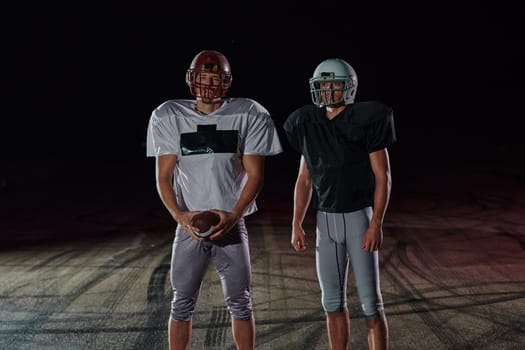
<point x="81" y="79"/>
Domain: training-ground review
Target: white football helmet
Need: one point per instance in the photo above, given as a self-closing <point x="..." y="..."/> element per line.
<point x="333" y="70"/>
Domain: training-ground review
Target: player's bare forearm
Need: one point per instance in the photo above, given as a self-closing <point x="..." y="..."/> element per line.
<point x="381" y="198"/>
<point x="168" y="198"/>
<point x="165" y="168"/>
<point x="302" y="194"/>
<point x="381" y="168"/>
<point x="254" y="166"/>
<point x="250" y="192"/>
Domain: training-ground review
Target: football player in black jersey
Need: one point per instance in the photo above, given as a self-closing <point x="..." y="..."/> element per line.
<point x="344" y="173"/>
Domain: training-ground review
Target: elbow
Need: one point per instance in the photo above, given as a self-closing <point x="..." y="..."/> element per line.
<point x="384" y="181"/>
<point x="256" y="182"/>
<point x="304" y="182"/>
<point x="387" y="181"/>
<point x="163" y="182"/>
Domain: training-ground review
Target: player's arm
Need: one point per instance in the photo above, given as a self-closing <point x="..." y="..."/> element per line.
<point x="254" y="167"/>
<point x="380" y="164"/>
<point x="302" y="197"/>
<point x="165" y="171"/>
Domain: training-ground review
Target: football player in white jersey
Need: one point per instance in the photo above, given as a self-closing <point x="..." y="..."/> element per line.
<point x="344" y="173"/>
<point x="210" y="153"/>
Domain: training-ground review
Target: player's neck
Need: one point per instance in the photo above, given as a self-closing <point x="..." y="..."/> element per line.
<point x="207" y="107"/>
<point x="332" y="112"/>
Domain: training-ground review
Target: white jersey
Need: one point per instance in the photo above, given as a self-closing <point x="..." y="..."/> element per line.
<point x="209" y="172"/>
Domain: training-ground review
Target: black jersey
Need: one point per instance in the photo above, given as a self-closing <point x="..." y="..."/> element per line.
<point x="337" y="151"/>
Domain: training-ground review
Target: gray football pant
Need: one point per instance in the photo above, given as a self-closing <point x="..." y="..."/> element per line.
<point x="189" y="262"/>
<point x="339" y="239"/>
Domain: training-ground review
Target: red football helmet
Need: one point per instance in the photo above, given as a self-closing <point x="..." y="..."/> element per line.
<point x="209" y="61"/>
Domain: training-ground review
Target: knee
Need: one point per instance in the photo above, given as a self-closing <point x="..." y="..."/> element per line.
<point x="372" y="308"/>
<point x="378" y="321"/>
<point x="240" y="306"/>
<point x="182" y="309"/>
<point x="333" y="303"/>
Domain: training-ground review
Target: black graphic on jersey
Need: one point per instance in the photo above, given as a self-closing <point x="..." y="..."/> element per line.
<point x="208" y="139"/>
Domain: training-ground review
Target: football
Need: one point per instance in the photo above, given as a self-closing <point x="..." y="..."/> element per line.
<point x="204" y="221"/>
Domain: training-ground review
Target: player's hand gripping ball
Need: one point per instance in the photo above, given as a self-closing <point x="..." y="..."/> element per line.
<point x="204" y="221"/>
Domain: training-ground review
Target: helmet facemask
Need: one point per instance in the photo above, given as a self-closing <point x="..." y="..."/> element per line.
<point x="330" y="95"/>
<point x="201" y="89"/>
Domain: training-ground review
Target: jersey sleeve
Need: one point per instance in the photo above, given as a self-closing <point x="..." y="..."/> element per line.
<point x="162" y="135"/>
<point x="262" y="137"/>
<point x="381" y="131"/>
